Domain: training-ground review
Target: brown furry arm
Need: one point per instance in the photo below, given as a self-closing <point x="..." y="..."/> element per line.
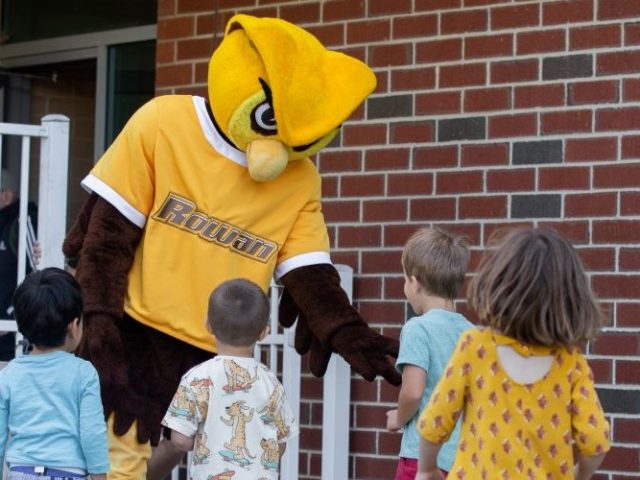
<point x="106" y="242"/>
<point x="328" y="322"/>
<point x="75" y="237"/>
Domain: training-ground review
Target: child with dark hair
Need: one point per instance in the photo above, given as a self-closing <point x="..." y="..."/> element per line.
<point x="524" y="389"/>
<point x="51" y="419"/>
<point x="230" y="410"/>
<point x="434" y="262"/>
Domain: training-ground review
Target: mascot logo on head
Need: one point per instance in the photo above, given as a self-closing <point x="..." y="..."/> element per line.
<point x="276" y="110"/>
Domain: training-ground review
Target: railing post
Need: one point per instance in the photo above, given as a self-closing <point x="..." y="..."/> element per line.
<point x="291" y="379"/>
<point x="335" y="405"/>
<point x="52" y="208"/>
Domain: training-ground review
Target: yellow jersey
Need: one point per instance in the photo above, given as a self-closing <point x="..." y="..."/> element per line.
<point x="204" y="219"/>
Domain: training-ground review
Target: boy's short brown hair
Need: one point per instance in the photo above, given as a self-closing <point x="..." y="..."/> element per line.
<point x="438" y="259"/>
<point x="533" y="288"/>
<point x="238" y="312"/>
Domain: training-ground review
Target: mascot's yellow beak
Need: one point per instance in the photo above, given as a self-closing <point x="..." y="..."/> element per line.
<point x="266" y="159"/>
<point x="272" y="83"/>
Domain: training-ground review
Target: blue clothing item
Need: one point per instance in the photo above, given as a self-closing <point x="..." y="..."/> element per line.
<point x="17" y="473"/>
<point x="428" y="341"/>
<point x="51" y="413"/>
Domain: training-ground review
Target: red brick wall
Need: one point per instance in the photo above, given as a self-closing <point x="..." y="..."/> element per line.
<point x="487" y="113"/>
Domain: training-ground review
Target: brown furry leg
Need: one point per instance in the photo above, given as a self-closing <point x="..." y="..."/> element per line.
<point x="156" y="362"/>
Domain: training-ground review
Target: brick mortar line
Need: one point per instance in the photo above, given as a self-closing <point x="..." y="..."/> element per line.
<point x="542" y="27"/>
<point x="479" y="34"/>
<point x="527" y="83"/>
<point x="436" y="38"/>
<point x="624" y="416"/>
<point x="488" y="168"/>
<point x="594" y="108"/>
<point x="621" y="329"/>
<point x="496" y="194"/>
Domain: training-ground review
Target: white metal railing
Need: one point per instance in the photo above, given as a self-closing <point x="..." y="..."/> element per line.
<point x="336" y="393"/>
<point x="53" y="133"/>
<point x="335" y="400"/>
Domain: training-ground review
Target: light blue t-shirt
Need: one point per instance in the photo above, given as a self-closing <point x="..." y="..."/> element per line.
<point x="428" y="341"/>
<point x="50" y="406"/>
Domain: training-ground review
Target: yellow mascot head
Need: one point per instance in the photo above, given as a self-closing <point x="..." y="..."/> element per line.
<point x="278" y="94"/>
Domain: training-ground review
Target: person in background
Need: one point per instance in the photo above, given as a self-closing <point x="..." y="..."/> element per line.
<point x="52" y="425"/>
<point x="9" y="230"/>
<point x="434" y="263"/>
<point x="231" y="410"/>
<point x="522" y="385"/>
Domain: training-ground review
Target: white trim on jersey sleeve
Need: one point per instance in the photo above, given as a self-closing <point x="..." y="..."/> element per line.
<point x="213" y="137"/>
<point x="311" y="258"/>
<point x="91" y="183"/>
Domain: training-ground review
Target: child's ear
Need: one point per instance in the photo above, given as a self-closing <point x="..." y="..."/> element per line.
<point x="207" y="325"/>
<point x="73" y="326"/>
<point x="415" y="284"/>
<point x="264" y="333"/>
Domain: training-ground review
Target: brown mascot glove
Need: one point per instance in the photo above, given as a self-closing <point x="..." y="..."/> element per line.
<point x="327" y="322"/>
<point x="100" y="344"/>
<point x="305" y="341"/>
<point x="288" y="313"/>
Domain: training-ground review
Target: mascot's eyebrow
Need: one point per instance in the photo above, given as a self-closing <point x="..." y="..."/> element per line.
<point x="267" y="91"/>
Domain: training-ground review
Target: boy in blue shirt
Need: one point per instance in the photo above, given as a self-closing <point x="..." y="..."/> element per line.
<point x="434" y="262"/>
<point x="52" y="424"/>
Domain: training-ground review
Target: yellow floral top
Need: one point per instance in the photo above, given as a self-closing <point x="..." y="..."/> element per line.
<point x="512" y="430"/>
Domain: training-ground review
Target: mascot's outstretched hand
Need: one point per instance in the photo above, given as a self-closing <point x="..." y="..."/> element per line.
<point x="100" y="343"/>
<point x="330" y="323"/>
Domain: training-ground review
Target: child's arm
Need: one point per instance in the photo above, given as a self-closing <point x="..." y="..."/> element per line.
<point x="447" y="401"/>
<point x="414" y="380"/>
<point x="282" y="446"/>
<point x="4" y="424"/>
<point x="181" y="442"/>
<point x="427" y="463"/>
<point x="167" y="455"/>
<point x="590" y="427"/>
<point x="93" y="430"/>
<point x="184" y="427"/>
<point x="587" y="465"/>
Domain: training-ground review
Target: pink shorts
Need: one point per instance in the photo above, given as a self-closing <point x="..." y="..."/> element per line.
<point x="407" y="468"/>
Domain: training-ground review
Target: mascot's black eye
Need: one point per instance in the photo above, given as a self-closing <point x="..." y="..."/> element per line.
<point x="263" y="120"/>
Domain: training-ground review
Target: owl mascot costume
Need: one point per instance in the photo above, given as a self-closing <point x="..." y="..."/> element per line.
<point x="194" y="192"/>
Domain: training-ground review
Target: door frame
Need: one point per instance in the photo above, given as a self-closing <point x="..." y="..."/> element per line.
<point x="78" y="47"/>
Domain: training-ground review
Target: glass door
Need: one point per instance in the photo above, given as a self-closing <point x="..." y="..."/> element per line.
<point x="131" y="83"/>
